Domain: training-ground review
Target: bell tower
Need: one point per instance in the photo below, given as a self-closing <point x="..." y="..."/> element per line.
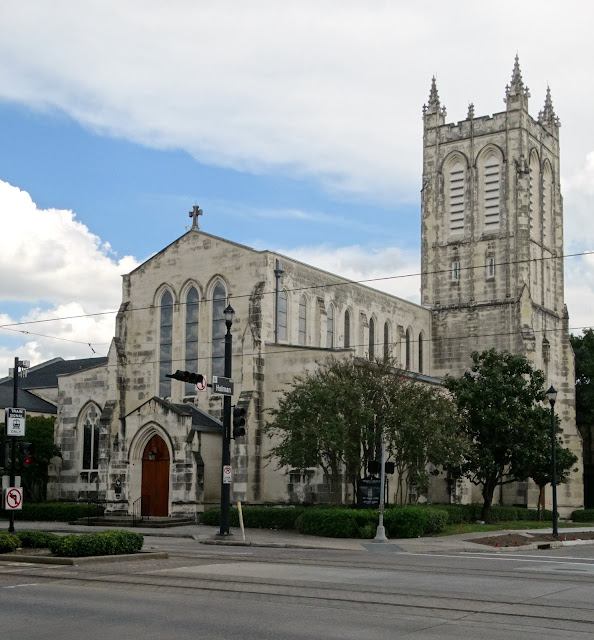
<point x="492" y="241"/>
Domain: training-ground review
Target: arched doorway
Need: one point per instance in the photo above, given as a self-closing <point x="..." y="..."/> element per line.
<point x="155" y="478"/>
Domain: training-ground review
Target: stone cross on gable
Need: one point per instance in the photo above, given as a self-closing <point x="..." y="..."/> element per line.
<point x="196" y="211"/>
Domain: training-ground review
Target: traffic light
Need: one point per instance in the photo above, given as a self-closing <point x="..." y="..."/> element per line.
<point x="186" y="376"/>
<point x="238" y="422"/>
<point x="26" y="454"/>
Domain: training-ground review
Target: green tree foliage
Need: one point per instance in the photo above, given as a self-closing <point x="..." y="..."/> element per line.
<point x="336" y="418"/>
<point x="39" y="431"/>
<point x="501" y="399"/>
<point x="583" y="347"/>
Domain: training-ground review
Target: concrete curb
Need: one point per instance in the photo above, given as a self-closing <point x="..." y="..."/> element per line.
<point x="142" y="555"/>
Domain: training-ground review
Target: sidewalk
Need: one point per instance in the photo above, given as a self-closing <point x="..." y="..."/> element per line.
<point x="291" y="539"/>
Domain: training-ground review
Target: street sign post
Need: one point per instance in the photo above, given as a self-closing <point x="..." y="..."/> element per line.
<point x="15" y="422"/>
<point x="223" y="386"/>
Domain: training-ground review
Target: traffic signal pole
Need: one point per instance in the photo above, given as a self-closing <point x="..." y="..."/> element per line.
<point x="226" y="451"/>
<point x="13" y="442"/>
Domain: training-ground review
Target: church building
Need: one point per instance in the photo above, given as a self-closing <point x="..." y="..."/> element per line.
<point x="492" y="276"/>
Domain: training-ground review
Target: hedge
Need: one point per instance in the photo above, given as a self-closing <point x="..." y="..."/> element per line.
<point x="583" y="515"/>
<point x="36" y="539"/>
<point x="105" y="543"/>
<point x="458" y="513"/>
<point x="8" y="542"/>
<point x="57" y="511"/>
<point x="257" y="517"/>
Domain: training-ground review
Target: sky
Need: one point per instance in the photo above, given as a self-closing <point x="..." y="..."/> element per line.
<point x="295" y="126"/>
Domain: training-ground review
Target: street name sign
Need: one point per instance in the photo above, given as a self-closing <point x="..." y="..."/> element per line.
<point x="223" y="386"/>
<point x="15" y="421"/>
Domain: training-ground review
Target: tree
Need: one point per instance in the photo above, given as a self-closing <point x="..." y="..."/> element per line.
<point x="336" y="418"/>
<point x="583" y="347"/>
<point x="500" y="398"/>
<point x="39" y="431"/>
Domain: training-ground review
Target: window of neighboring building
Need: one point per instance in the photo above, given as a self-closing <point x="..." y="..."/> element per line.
<point x="89" y="421"/>
<point x="371" y="338"/>
<point x="408" y="349"/>
<point x="302" y="338"/>
<point x="281" y="318"/>
<point x="330" y="327"/>
<point x="347" y="328"/>
<point x="191" y="337"/>
<point x="219" y="302"/>
<point x="165" y="344"/>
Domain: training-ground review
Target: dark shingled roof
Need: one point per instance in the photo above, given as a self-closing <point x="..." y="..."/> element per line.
<point x="25" y="400"/>
<point x="45" y="375"/>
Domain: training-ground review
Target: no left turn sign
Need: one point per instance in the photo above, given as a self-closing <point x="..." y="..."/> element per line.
<point x="13" y="498"/>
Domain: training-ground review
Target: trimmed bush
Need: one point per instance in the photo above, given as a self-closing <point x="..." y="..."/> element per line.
<point x="583" y="515"/>
<point x="105" y="543"/>
<point x="458" y="513"/>
<point x="406" y="522"/>
<point x="36" y="539"/>
<point x="57" y="511"/>
<point x="8" y="542"/>
<point x="336" y="523"/>
<point x="257" y="517"/>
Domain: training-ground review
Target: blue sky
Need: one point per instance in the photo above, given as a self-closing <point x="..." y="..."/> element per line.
<point x="295" y="126"/>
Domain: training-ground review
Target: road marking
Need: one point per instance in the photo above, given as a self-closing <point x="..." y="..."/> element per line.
<point x="15" y="586"/>
<point x="477" y="555"/>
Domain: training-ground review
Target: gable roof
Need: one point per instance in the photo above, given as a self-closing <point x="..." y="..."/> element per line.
<point x="25" y="400"/>
<point x="45" y="375"/>
<point x="201" y="421"/>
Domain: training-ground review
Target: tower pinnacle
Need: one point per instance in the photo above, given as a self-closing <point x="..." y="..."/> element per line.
<point x="547" y="117"/>
<point x="434" y="114"/>
<point x="516" y="93"/>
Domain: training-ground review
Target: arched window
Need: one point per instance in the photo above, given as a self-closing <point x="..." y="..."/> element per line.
<point x="386" y="341"/>
<point x="535" y="215"/>
<point x="191" y="337"/>
<point x="330" y="327"/>
<point x="89" y="421"/>
<point x="302" y="338"/>
<point x="457" y="186"/>
<point x="165" y="344"/>
<point x="547" y="205"/>
<point x="491" y="192"/>
<point x="219" y="302"/>
<point x="408" y="351"/>
<point x="421" y="352"/>
<point x="371" y="338"/>
<point x="281" y="316"/>
<point x="347" y="328"/>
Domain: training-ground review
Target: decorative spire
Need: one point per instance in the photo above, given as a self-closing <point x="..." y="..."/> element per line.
<point x="516" y="94"/>
<point x="433" y="106"/>
<point x="547" y="116"/>
<point x="470" y="114"/>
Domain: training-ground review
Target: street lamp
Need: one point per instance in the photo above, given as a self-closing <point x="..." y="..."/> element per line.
<point x="228" y="313"/>
<point x="552" y="396"/>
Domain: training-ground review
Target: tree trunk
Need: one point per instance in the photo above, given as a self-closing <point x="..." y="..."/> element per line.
<point x="540" y="503"/>
<point x="488" y="491"/>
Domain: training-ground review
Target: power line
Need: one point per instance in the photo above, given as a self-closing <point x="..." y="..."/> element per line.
<point x="308" y="288"/>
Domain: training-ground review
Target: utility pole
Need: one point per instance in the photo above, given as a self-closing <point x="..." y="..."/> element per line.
<point x="226" y="450"/>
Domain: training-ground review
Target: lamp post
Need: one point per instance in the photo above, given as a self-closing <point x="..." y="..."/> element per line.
<point x="226" y="451"/>
<point x="552" y="396"/>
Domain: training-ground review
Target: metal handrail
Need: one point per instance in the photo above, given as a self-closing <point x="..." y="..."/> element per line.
<point x="137" y="516"/>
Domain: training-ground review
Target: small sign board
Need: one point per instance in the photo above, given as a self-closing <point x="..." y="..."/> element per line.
<point x="223" y="386"/>
<point x="13" y="499"/>
<point x="368" y="492"/>
<point x="227" y="474"/>
<point x="15" y="421"/>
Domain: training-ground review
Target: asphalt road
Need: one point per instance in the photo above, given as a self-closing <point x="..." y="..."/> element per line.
<point x="230" y="593"/>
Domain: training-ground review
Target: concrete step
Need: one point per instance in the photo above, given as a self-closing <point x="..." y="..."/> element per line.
<point x="127" y="521"/>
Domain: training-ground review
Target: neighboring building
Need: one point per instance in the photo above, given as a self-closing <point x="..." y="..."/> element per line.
<point x="491" y="223"/>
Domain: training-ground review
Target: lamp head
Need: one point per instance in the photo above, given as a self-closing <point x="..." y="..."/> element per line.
<point x="229" y="313"/>
<point x="552" y="395"/>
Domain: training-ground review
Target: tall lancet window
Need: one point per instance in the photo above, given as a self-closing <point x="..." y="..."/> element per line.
<point x="547" y="205"/>
<point x="457" y="185"/>
<point x="191" y="337"/>
<point x="302" y="335"/>
<point x="386" y="341"/>
<point x="165" y="343"/>
<point x="408" y="349"/>
<point x="421" y="352"/>
<point x="347" y="328"/>
<point x="89" y="421"/>
<point x="535" y="213"/>
<point x="330" y="327"/>
<point x="371" y="338"/>
<point x="281" y="317"/>
<point x="491" y="192"/>
<point x="219" y="302"/>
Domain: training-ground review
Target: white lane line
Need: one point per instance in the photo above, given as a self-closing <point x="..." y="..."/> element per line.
<point x="15" y="586"/>
<point x="488" y="556"/>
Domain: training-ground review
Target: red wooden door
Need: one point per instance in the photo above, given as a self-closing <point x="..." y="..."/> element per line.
<point x="155" y="478"/>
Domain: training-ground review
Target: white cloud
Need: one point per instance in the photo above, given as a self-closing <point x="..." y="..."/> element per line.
<point x="332" y="90"/>
<point x="54" y="267"/>
<point x="392" y="270"/>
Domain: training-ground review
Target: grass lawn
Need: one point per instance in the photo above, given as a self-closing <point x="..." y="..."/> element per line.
<point x="452" y="529"/>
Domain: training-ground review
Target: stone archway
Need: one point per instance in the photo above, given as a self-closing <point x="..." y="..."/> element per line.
<point x="155" y="478"/>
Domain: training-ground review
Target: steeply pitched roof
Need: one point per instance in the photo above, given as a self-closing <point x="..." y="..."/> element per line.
<point x="25" y="400"/>
<point x="45" y="375"/>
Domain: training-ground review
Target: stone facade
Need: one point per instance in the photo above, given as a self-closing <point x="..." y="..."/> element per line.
<point x="491" y="276"/>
